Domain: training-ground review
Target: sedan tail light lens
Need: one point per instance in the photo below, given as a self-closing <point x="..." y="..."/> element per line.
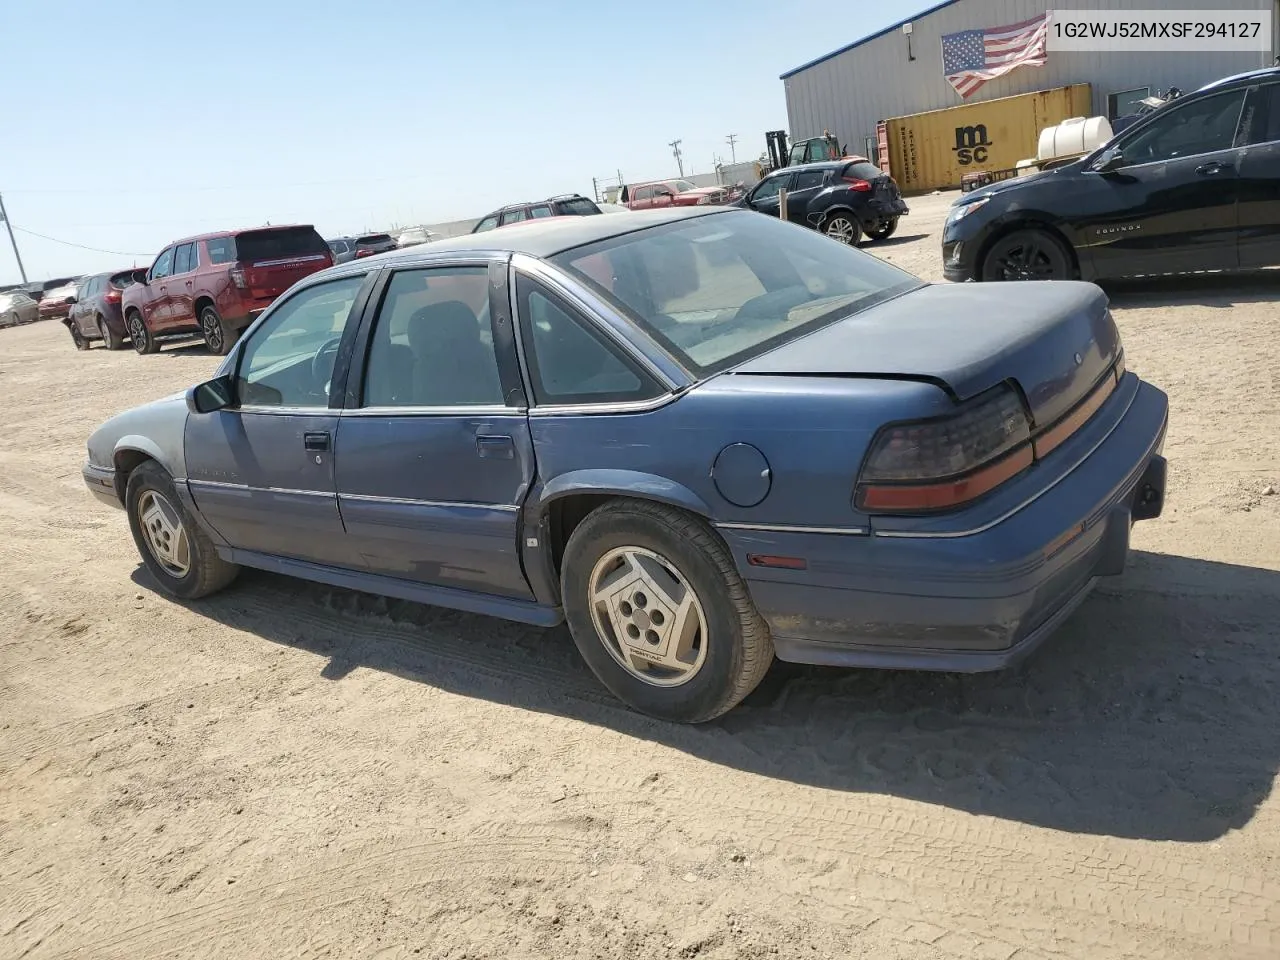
<point x="858" y="184"/>
<point x="947" y="461"/>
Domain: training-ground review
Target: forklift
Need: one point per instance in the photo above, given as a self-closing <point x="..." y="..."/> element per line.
<point x="825" y="147"/>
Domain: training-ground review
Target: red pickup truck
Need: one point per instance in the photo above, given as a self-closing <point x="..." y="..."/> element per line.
<point x="668" y="193"/>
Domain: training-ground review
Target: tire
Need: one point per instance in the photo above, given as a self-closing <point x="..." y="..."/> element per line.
<point x="218" y="337"/>
<point x="77" y="337"/>
<point x="156" y="512"/>
<point x="842" y="227"/>
<point x="10" y="320"/>
<point x="139" y="335"/>
<point x="1027" y="255"/>
<point x="733" y="649"/>
<point x="883" y="230"/>
<point x="113" y="340"/>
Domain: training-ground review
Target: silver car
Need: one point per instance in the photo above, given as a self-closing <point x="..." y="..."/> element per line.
<point x="16" y="307"/>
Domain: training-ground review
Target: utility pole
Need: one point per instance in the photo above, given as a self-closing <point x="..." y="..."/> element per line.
<point x="5" y="217"/>
<point x="732" y="139"/>
<point x="675" y="152"/>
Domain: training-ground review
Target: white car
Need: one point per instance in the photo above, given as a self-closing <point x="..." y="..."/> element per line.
<point x="416" y="235"/>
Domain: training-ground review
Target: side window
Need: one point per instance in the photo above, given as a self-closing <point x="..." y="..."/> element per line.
<point x="542" y="210"/>
<point x="163" y="266"/>
<point x="221" y="250"/>
<point x="488" y="223"/>
<point x="182" y="262"/>
<point x="642" y="193"/>
<point x="569" y="363"/>
<point x="769" y="188"/>
<point x="288" y="360"/>
<point x="1267" y="124"/>
<point x="513" y="216"/>
<point x="1187" y="131"/>
<point x="432" y="343"/>
<point x="808" y="179"/>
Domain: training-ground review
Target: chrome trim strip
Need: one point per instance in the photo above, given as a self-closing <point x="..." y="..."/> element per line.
<point x="585" y="409"/>
<point x="401" y="501"/>
<point x="479" y="410"/>
<point x="787" y="528"/>
<point x="594" y="307"/>
<point x="275" y="263"/>
<point x="244" y="486"/>
<point x="957" y="534"/>
<point x="325" y="411"/>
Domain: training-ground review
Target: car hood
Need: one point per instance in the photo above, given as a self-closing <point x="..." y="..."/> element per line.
<point x="1054" y="339"/>
<point x="155" y="428"/>
<point x="1004" y="186"/>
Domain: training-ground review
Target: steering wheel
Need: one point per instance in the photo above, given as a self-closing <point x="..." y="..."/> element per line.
<point x="322" y="363"/>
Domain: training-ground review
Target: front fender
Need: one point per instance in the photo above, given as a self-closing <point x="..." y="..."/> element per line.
<point x="622" y="483"/>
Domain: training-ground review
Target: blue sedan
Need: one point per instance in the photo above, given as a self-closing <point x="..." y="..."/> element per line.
<point x="702" y="437"/>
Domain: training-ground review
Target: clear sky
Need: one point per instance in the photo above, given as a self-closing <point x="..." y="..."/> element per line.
<point x="126" y="125"/>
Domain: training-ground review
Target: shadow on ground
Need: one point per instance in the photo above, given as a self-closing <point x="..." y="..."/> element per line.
<point x="1209" y="290"/>
<point x="893" y="241"/>
<point x="1154" y="713"/>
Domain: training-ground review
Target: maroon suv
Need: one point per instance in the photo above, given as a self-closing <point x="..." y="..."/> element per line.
<point x="217" y="284"/>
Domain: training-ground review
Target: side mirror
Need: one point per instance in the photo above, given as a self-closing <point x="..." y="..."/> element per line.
<point x="140" y="276"/>
<point x="1111" y="159"/>
<point x="69" y="301"/>
<point x="212" y="395"/>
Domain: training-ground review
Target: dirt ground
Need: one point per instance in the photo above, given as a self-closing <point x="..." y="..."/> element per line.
<point x="287" y="770"/>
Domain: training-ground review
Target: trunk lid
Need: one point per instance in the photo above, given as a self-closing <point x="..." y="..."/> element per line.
<point x="1055" y="339"/>
<point x="274" y="259"/>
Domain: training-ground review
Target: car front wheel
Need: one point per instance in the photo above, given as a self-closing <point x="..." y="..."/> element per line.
<point x="659" y="612"/>
<point x="139" y="335"/>
<point x="1027" y="255"/>
<point x="842" y="227"/>
<point x="178" y="553"/>
<point x="883" y="229"/>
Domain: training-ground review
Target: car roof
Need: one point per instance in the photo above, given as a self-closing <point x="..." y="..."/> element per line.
<point x="239" y="230"/>
<point x="547" y="237"/>
<point x="1265" y="73"/>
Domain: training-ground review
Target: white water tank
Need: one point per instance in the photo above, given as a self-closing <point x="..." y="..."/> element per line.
<point x="1073" y="137"/>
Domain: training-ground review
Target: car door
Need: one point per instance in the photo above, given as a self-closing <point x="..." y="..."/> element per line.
<point x="641" y="198"/>
<point x="81" y="313"/>
<point x="155" y="304"/>
<point x="182" y="312"/>
<point x="663" y="196"/>
<point x="514" y="215"/>
<point x="1260" y="180"/>
<point x="434" y="456"/>
<point x="806" y="184"/>
<point x="1171" y="205"/>
<point x="764" y="198"/>
<point x="261" y="472"/>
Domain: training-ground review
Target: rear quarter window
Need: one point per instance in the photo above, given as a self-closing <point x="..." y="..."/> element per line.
<point x="221" y="250"/>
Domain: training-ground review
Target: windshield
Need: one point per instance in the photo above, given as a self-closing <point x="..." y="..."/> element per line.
<point x="682" y="186"/>
<point x="717" y="290"/>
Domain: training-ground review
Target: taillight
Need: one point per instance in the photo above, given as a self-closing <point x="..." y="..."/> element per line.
<point x="363" y="252"/>
<point x="237" y="277"/>
<point x="856" y="183"/>
<point x="947" y="461"/>
<point x="113" y="296"/>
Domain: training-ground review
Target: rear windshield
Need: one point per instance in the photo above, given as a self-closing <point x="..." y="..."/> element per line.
<point x="862" y="170"/>
<point x="374" y="238"/>
<point x="121" y="280"/>
<point x="279" y="244"/>
<point x="577" y="207"/>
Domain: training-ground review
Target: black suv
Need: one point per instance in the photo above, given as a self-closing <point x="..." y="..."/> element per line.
<point x="845" y="199"/>
<point x="568" y="205"/>
<point x="1193" y="186"/>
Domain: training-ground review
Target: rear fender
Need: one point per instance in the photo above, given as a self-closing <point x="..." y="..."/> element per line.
<point x="621" y="483"/>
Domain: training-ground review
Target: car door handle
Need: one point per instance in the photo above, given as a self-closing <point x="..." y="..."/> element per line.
<point x="496" y="447"/>
<point x="315" y="442"/>
<point x="1209" y="169"/>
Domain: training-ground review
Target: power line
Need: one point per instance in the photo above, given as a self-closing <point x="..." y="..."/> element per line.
<point x="80" y="246"/>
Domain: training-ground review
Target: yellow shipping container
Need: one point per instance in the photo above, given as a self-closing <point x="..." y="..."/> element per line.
<point x="931" y="151"/>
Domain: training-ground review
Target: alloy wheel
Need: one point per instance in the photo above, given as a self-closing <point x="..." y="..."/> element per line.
<point x="842" y="229"/>
<point x="211" y="329"/>
<point x="648" y="616"/>
<point x="165" y="536"/>
<point x="1026" y="260"/>
<point x="137" y="332"/>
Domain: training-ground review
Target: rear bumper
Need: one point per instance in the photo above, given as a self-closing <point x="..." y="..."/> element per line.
<point x="970" y="602"/>
<point x="101" y="482"/>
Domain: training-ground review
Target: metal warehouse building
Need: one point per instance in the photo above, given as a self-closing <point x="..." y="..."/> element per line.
<point x="898" y="71"/>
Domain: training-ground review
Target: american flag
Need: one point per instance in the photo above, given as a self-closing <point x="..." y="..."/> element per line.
<point x="972" y="57"/>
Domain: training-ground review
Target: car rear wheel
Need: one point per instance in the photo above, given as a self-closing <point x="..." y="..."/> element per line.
<point x="176" y="551"/>
<point x="139" y="335"/>
<point x="842" y="227"/>
<point x="218" y="337"/>
<point x="77" y="337"/>
<point x="659" y="612"/>
<point x="883" y="229"/>
<point x="113" y="340"/>
<point x="1027" y="255"/>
